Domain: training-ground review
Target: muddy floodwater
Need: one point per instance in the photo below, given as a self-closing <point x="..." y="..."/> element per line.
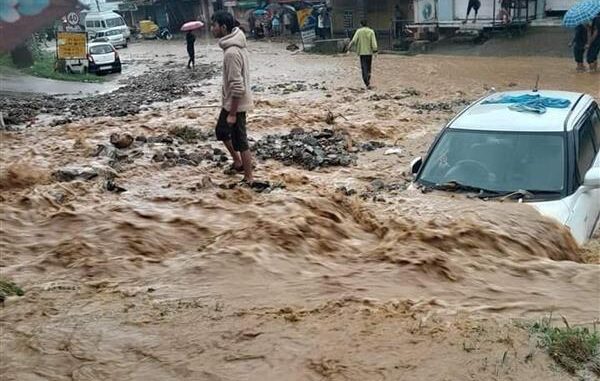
<point x="148" y="262"/>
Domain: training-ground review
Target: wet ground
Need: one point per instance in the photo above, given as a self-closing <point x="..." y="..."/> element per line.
<point x="148" y="262"/>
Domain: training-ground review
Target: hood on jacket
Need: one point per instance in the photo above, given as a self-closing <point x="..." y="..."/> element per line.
<point x="235" y="38"/>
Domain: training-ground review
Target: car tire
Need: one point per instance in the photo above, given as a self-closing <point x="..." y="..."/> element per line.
<point x="118" y="69"/>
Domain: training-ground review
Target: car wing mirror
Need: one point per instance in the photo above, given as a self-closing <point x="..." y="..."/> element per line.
<point x="415" y="165"/>
<point x="592" y="178"/>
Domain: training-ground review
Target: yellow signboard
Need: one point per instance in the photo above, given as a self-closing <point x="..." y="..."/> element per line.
<point x="71" y="45"/>
<point x="303" y="15"/>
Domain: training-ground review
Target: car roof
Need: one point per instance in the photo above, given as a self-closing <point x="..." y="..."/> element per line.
<point x="499" y="117"/>
<point x="99" y="43"/>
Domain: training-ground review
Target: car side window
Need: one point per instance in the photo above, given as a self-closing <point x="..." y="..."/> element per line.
<point x="596" y="126"/>
<point x="586" y="150"/>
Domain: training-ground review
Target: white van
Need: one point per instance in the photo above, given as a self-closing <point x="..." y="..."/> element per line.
<point x="103" y="21"/>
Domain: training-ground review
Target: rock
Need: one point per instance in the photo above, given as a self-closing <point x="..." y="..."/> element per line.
<point x="105" y="150"/>
<point x="121" y="141"/>
<point x="141" y="138"/>
<point x="159" y="157"/>
<point x="377" y="184"/>
<point x="171" y="155"/>
<point x="75" y="173"/>
<point x="112" y="187"/>
<point x="393" y="151"/>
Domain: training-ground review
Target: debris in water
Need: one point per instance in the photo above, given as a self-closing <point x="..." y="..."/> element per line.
<point x="311" y="150"/>
<point x="121" y="141"/>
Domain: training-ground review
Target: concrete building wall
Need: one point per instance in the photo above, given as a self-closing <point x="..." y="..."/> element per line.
<point x="378" y="13"/>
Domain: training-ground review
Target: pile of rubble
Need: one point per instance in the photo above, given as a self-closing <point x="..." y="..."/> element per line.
<point x="311" y="150"/>
<point x="138" y="92"/>
<point x="439" y="106"/>
<point x="288" y="87"/>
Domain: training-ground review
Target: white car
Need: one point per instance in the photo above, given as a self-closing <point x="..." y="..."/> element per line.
<point x="114" y="36"/>
<point x="103" y="58"/>
<point x="550" y="160"/>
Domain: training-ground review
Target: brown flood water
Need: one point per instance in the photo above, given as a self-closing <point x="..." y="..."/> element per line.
<point x="181" y="279"/>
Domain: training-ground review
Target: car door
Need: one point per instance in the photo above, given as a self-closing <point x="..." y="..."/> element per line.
<point x="585" y="210"/>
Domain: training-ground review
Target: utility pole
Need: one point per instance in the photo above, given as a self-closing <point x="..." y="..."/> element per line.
<point x="98" y="5"/>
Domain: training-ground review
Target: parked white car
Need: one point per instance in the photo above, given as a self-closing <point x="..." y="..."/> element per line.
<point x="103" y="58"/>
<point x="550" y="160"/>
<point x="114" y="36"/>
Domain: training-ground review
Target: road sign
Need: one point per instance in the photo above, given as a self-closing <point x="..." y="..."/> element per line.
<point x="71" y="45"/>
<point x="127" y="7"/>
<point x="73" y="18"/>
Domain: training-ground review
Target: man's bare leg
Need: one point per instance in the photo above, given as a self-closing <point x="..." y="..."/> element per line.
<point x="247" y="163"/>
<point x="237" y="162"/>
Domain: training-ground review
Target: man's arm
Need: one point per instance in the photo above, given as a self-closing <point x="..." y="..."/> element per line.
<point x="374" y="42"/>
<point x="235" y="84"/>
<point x="353" y="41"/>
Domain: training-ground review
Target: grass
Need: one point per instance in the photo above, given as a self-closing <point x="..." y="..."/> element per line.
<point x="44" y="67"/>
<point x="8" y="288"/>
<point x="574" y="348"/>
<point x="5" y="60"/>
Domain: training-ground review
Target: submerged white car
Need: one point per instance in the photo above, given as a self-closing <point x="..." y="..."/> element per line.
<point x="550" y="160"/>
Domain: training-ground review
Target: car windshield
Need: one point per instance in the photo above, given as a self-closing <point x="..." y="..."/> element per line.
<point x="498" y="161"/>
<point x="113" y="32"/>
<point x="111" y="23"/>
<point x="101" y="49"/>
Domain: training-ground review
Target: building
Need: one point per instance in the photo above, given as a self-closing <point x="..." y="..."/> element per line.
<point x="382" y="15"/>
<point x="166" y="13"/>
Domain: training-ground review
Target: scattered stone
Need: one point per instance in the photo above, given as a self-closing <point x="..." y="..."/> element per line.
<point x="138" y="92"/>
<point x="75" y="173"/>
<point x="292" y="47"/>
<point x="438" y="106"/>
<point x="347" y="191"/>
<point x="121" y="141"/>
<point x="371" y="145"/>
<point x="105" y="150"/>
<point x="112" y="187"/>
<point x="311" y="150"/>
<point x="377" y="184"/>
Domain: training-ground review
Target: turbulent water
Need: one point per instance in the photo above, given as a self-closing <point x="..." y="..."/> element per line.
<point x="187" y="276"/>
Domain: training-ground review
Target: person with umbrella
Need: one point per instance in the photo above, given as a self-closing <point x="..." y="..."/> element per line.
<point x="584" y="14"/>
<point x="190" y="39"/>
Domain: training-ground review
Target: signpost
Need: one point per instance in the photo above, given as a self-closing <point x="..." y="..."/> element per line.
<point x="73" y="19"/>
<point x="308" y="37"/>
<point x="71" y="45"/>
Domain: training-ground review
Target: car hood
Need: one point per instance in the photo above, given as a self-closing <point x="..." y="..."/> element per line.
<point x="558" y="210"/>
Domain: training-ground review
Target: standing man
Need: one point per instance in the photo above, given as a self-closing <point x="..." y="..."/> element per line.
<point x="237" y="98"/>
<point x="366" y="45"/>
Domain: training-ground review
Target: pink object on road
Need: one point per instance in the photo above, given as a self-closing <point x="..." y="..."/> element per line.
<point x="192" y="25"/>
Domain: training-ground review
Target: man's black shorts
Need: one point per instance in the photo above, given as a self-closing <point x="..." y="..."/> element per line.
<point x="473" y="4"/>
<point x="236" y="133"/>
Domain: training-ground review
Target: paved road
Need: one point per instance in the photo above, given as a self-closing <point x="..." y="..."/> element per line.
<point x="22" y="83"/>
